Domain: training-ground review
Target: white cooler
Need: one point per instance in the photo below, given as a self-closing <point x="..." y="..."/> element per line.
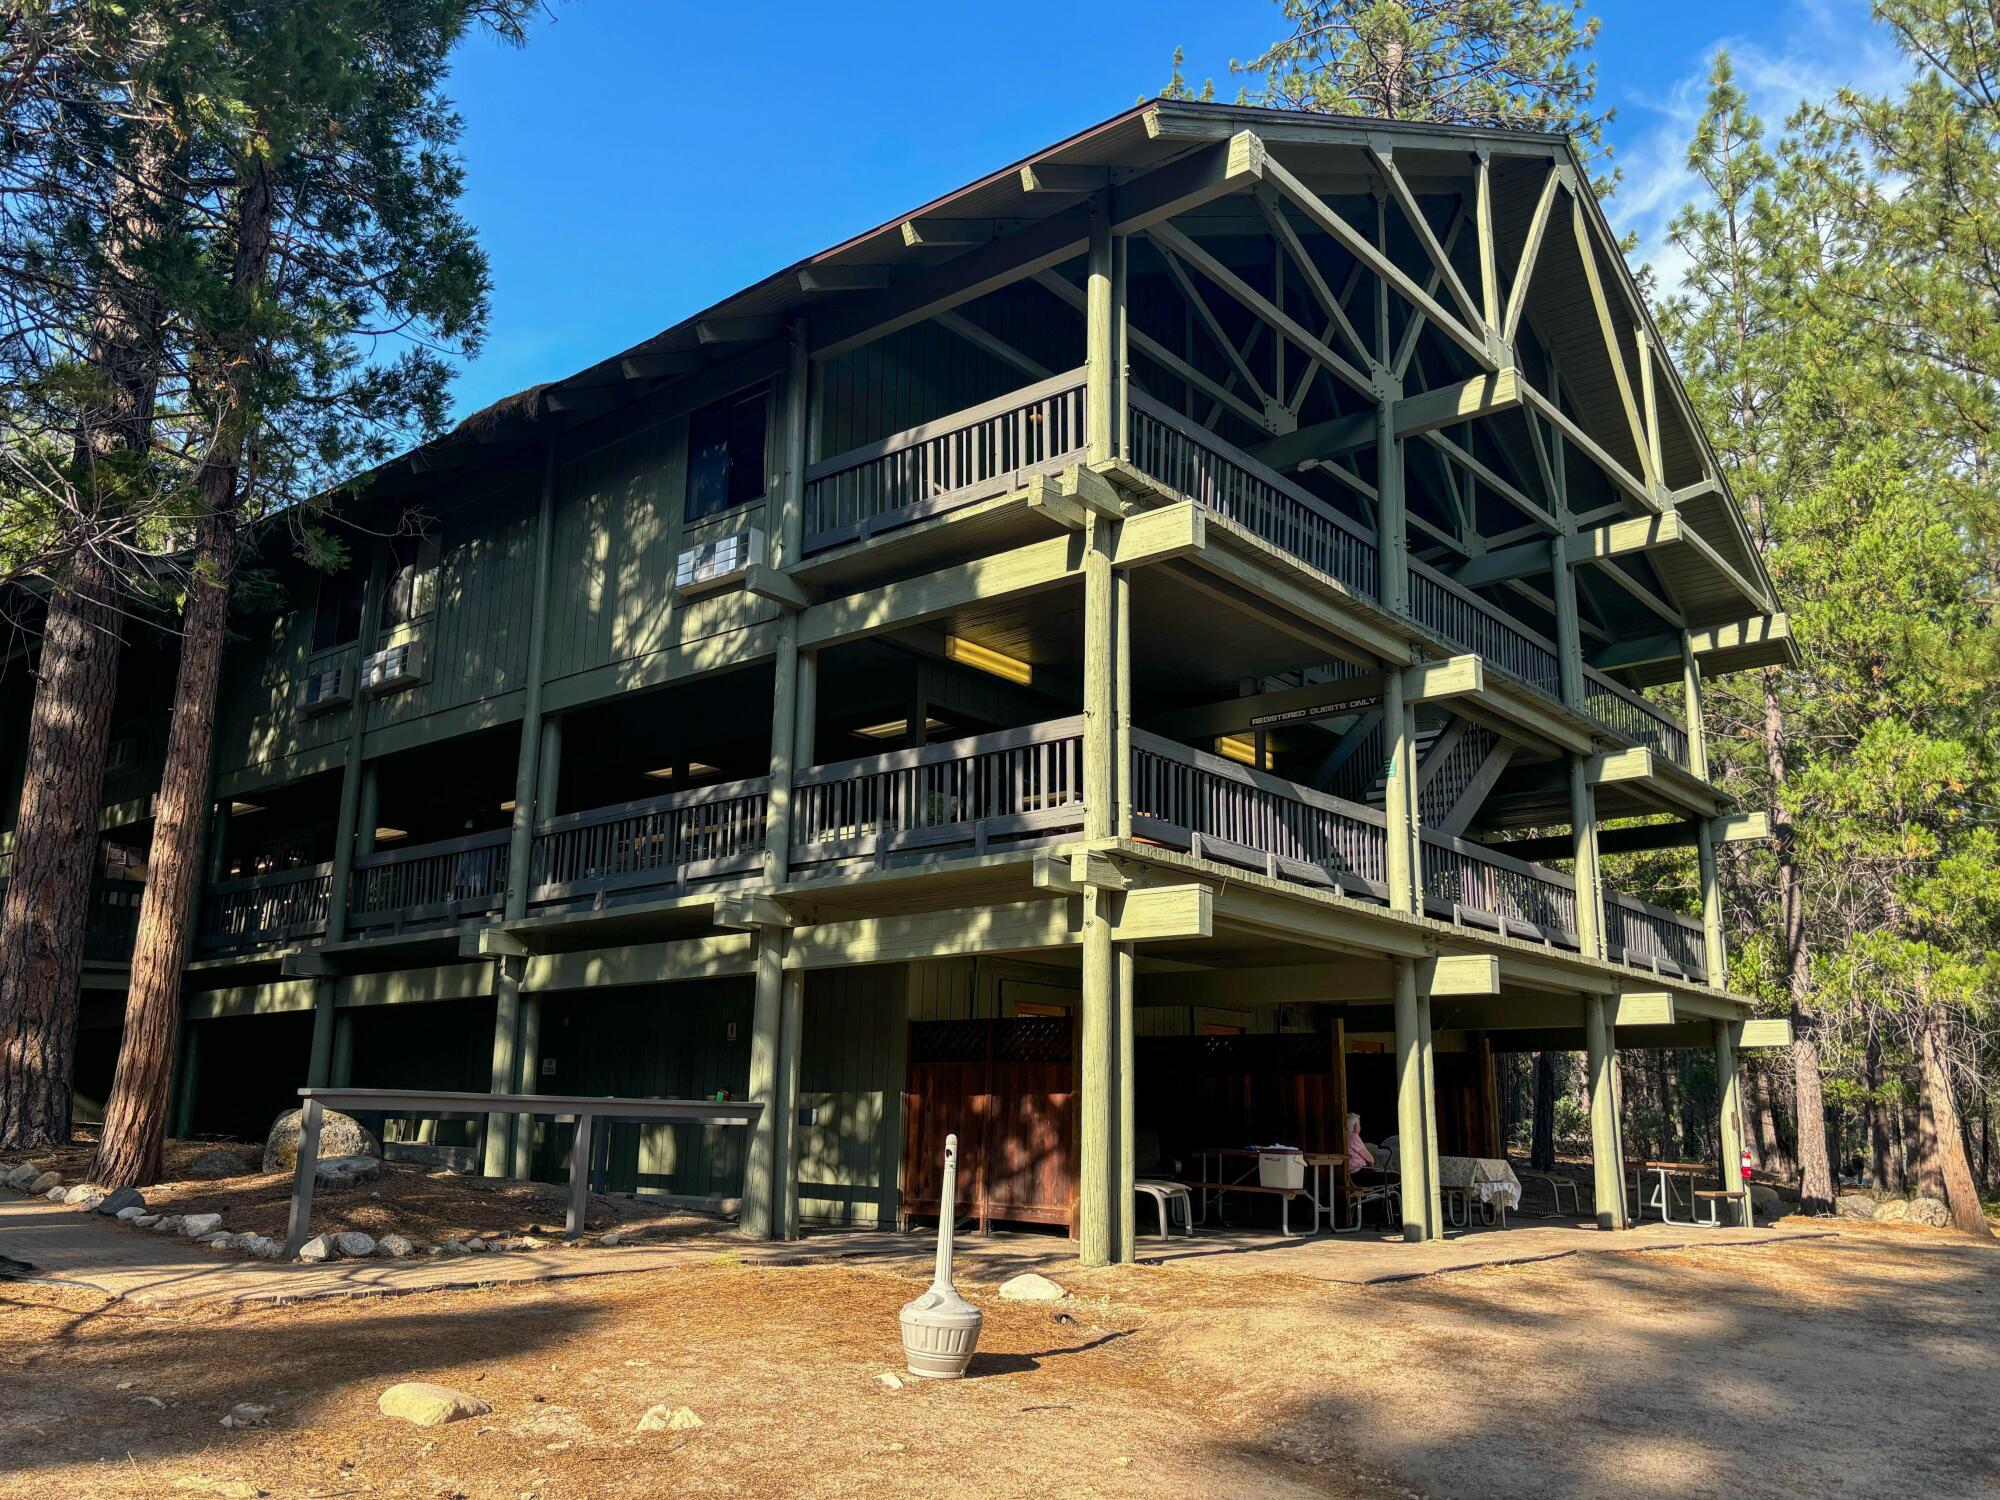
<point x="1281" y="1169"/>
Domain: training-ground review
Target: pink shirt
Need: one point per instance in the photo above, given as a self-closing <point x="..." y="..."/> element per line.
<point x="1357" y="1154"/>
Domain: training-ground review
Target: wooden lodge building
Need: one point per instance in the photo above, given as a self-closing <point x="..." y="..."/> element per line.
<point x="1138" y="654"/>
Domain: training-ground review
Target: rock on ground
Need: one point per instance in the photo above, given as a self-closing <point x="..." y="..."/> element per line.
<point x="170" y="1224"/>
<point x="22" y="1175"/>
<point x="118" y="1200"/>
<point x="664" y="1418"/>
<point x="354" y="1243"/>
<point x="46" y="1183"/>
<point x="346" y="1171"/>
<point x="339" y="1135"/>
<point x="248" y="1414"/>
<point x="429" y="1405"/>
<point x="194" y="1226"/>
<point x="130" y="1212"/>
<point x="1892" y="1211"/>
<point x="223" y="1164"/>
<point x="394" y="1247"/>
<point x="85" y="1194"/>
<point x="1854" y="1206"/>
<point x="1030" y="1286"/>
<point x="319" y="1247"/>
<point x="56" y="1195"/>
<point x="1933" y="1212"/>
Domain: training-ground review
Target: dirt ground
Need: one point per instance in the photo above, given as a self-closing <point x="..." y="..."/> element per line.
<point x="426" y="1205"/>
<point x="1864" y="1365"/>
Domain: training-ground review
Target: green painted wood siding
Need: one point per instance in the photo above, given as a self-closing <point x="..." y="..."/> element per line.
<point x="848" y="1061"/>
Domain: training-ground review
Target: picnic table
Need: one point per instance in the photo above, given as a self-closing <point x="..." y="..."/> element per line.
<point x="1668" y="1175"/>
<point x="1246" y="1163"/>
<point x="1485" y="1180"/>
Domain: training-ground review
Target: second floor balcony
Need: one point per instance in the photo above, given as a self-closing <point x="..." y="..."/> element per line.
<point x="1011" y="790"/>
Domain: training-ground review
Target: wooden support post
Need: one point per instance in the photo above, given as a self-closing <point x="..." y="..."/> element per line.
<point x="187" y="1079"/>
<point x="1128" y="1160"/>
<point x="1729" y="1097"/>
<point x="1569" y="627"/>
<point x="1427" y="1072"/>
<point x="1344" y="1182"/>
<point x="1399" y="803"/>
<point x="1100" y="383"/>
<point x="1606" y="1153"/>
<point x="762" y="1182"/>
<point x="1588" y="875"/>
<point x="368" y="814"/>
<point x="528" y="1068"/>
<point x="548" y="780"/>
<point x="580" y="1144"/>
<point x="498" y="1154"/>
<point x="1095" y="1217"/>
<point x="304" y="1173"/>
<point x="1413" y="1148"/>
<point x="1391" y="517"/>
<point x="791" y="1030"/>
<point x="341" y="1074"/>
<point x="527" y="764"/>
<point x="319" y="1059"/>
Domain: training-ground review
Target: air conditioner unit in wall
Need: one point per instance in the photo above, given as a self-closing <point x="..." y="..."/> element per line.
<point x="323" y="691"/>
<point x="393" y="667"/>
<point x="718" y="563"/>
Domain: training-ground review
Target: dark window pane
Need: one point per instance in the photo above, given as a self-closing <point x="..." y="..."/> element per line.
<point x="338" y="617"/>
<point x="726" y="455"/>
<point x="410" y="584"/>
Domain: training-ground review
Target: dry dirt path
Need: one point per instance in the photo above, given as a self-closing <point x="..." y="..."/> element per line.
<point x="1864" y="1365"/>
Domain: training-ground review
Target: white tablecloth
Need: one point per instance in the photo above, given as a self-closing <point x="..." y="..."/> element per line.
<point x="1486" y="1178"/>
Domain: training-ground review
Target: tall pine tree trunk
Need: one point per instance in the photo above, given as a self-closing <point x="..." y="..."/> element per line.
<point x="55" y="860"/>
<point x="130" y="1150"/>
<point x="1877" y="1113"/>
<point x="69" y="727"/>
<point x="1542" y="1144"/>
<point x="1961" y="1193"/>
<point x="1808" y="1096"/>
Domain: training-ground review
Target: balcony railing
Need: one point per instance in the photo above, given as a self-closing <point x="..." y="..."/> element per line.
<point x="1192" y="461"/>
<point x="113" y="921"/>
<point x="252" y="911"/>
<point x="1221" y="809"/>
<point x="1461" y="617"/>
<point x="686" y="838"/>
<point x="972" y="794"/>
<point x="429" y="884"/>
<point x="1513" y="897"/>
<point x="1651" y="937"/>
<point x="968" y="456"/>
<point x="1633" y="719"/>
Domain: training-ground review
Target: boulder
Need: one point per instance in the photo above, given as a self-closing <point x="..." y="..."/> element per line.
<point x="248" y="1414"/>
<point x="118" y="1200"/>
<point x="56" y="1195"/>
<point x="429" y="1405"/>
<point x="169" y="1224"/>
<point x="664" y="1418"/>
<point x="22" y="1175"/>
<point x="394" y="1247"/>
<point x="318" y="1248"/>
<point x="1766" y="1199"/>
<point x="130" y="1212"/>
<point x="1030" y="1287"/>
<point x="1892" y="1211"/>
<point x="46" y="1183"/>
<point x="223" y="1164"/>
<point x="354" y="1244"/>
<point x="1854" y="1206"/>
<point x="142" y="1221"/>
<point x="1934" y="1213"/>
<point x="83" y="1193"/>
<point x="339" y="1135"/>
<point x="194" y="1226"/>
<point x="263" y="1247"/>
<point x="346" y="1171"/>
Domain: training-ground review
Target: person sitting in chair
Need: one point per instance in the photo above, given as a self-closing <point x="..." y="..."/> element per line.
<point x="1361" y="1169"/>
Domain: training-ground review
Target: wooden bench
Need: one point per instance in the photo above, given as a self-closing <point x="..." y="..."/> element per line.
<point x="1714" y="1197"/>
<point x="1285" y="1196"/>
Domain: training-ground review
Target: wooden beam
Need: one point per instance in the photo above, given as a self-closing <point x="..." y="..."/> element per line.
<point x="1159" y="913"/>
<point x="991" y="344"/>
<point x="667" y="365"/>
<point x="1013" y="927"/>
<point x="1481" y="396"/>
<point x="1620" y="476"/>
<point x="751" y="910"/>
<point x="846" y="279"/>
<point x="1505" y="488"/>
<point x="1298" y="705"/>
<point x="928" y="231"/>
<point x="1613" y="351"/>
<point x="1054" y="177"/>
<point x="1765" y="1031"/>
<point x="1323" y="294"/>
<point x="1641" y="1008"/>
<point x="1531" y="249"/>
<point x="738" y="330"/>
<point x="1742" y="828"/>
<point x="1459" y="974"/>
<point x="1337" y="435"/>
<point x="1524" y="561"/>
<point x="1363" y="248"/>
<point x="1757" y="631"/>
<point x="1622" y="538"/>
<point x="645" y="963"/>
<point x="1635" y="764"/>
<point x="1454" y="677"/>
<point x="1217" y="334"/>
<point x="1383" y="153"/>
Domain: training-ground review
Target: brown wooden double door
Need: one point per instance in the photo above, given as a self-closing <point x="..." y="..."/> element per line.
<point x="1006" y="1088"/>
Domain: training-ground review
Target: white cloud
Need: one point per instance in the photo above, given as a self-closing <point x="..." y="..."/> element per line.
<point x="1824" y="45"/>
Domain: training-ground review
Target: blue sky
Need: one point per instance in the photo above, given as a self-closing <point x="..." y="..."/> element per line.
<point x="640" y="159"/>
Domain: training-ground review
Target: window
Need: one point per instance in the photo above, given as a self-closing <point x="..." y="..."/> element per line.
<point x="726" y="454"/>
<point x="338" y="617"/>
<point x="410" y="581"/>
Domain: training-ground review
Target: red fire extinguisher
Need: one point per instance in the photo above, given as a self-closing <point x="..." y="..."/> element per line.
<point x="1746" y="1163"/>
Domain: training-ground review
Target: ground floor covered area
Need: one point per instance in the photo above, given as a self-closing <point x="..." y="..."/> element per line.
<point x="1725" y="1369"/>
